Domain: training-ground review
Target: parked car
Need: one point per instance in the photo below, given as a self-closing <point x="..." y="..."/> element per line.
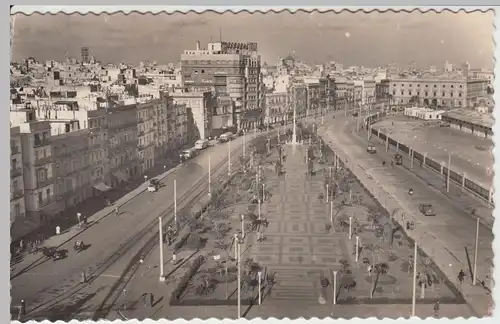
<point x="201" y="144"/>
<point x="226" y="137"/>
<point x="188" y="154"/>
<point x="426" y="209"/>
<point x="154" y="185"/>
<point x="371" y="149"/>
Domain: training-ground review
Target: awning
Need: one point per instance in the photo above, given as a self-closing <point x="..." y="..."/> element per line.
<point x="120" y="175"/>
<point x="102" y="187"/>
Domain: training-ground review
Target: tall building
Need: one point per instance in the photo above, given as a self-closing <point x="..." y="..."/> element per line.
<point x="85" y="54"/>
<point x="228" y="68"/>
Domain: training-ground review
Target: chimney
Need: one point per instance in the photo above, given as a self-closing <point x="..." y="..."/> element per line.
<point x="197" y="45"/>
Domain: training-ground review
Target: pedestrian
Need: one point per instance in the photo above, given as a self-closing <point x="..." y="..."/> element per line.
<point x="22" y="308"/>
<point x="83" y="278"/>
<point x="407" y="226"/>
<point x="58" y="230"/>
<point x="461" y="278"/>
<point x="370" y="268"/>
<point x="412" y="224"/>
<point x="117" y="211"/>
<point x="21" y="245"/>
<point x="436" y="309"/>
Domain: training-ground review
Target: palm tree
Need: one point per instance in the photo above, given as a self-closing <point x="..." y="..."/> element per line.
<point x="427" y="276"/>
<point x="375" y="249"/>
<point x="379" y="269"/>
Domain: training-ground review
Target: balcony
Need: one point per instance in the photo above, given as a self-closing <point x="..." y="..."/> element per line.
<point x="15" y="172"/>
<point x="43" y="160"/>
<point x="15" y="150"/>
<point x="44" y="183"/>
<point x="17" y="193"/>
<point x="44" y="202"/>
<point x="40" y="143"/>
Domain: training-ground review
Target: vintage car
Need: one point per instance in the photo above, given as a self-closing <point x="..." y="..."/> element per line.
<point x="426" y="209"/>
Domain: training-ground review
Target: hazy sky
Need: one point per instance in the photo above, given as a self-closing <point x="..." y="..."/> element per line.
<point x="374" y="39"/>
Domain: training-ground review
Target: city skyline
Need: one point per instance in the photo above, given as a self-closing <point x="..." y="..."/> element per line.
<point x="373" y="39"/>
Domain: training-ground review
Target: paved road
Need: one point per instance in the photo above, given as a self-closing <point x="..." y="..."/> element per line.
<point x="438" y="141"/>
<point x="451" y="232"/>
<point x="113" y="240"/>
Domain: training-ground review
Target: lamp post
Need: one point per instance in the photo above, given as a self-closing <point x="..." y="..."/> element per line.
<point x="335" y="287"/>
<point x="209" y="176"/>
<point x="260" y="281"/>
<point x="474" y="276"/>
<point x="175" y="204"/>
<point x="357" y="249"/>
<point x="162" y="275"/>
<point x="350" y="227"/>
<point x="414" y="296"/>
<point x="229" y="157"/>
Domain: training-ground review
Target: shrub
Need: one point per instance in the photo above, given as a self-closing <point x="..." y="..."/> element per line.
<point x="183" y="283"/>
<point x="178" y="245"/>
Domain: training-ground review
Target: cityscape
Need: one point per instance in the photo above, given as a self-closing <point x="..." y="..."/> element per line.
<point x="329" y="165"/>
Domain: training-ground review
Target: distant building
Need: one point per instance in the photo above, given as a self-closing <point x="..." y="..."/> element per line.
<point x="432" y="91"/>
<point x="228" y="68"/>
<point x="85" y="54"/>
<point x="201" y="108"/>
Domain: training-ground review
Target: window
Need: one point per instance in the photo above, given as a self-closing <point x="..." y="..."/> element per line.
<point x="48" y="192"/>
<point x="444" y="94"/>
<point x="426" y="85"/>
<point x="434" y="93"/>
<point x="435" y="86"/>
<point x="418" y="85"/>
<point x="451" y="86"/>
<point x="17" y="210"/>
<point x="451" y="94"/>
<point x="459" y="94"/>
<point x="40" y="197"/>
<point x="426" y="93"/>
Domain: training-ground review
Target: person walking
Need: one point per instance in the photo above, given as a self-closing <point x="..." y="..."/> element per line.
<point x="117" y="212"/>
<point x="436" y="309"/>
<point x="461" y="278"/>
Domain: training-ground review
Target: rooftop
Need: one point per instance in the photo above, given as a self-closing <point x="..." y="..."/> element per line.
<point x="472" y="116"/>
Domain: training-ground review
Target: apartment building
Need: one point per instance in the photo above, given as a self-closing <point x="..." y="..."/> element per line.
<point x="164" y="104"/>
<point x="72" y="167"/>
<point x="40" y="202"/>
<point x="17" y="209"/>
<point x="122" y="135"/>
<point x="146" y="125"/>
<point x="177" y="126"/>
<point x="276" y="107"/>
<point x="231" y="68"/>
<point x="200" y="107"/>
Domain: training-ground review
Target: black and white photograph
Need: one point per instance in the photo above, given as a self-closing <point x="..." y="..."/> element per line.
<point x="332" y="164"/>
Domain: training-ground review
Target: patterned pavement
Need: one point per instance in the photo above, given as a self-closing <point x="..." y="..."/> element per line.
<point x="297" y="248"/>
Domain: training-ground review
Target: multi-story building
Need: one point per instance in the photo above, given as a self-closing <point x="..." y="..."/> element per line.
<point x="177" y="126"/>
<point x="164" y="104"/>
<point x="122" y="136"/>
<point x="228" y="68"/>
<point x="71" y="153"/>
<point x="222" y="115"/>
<point x="298" y="100"/>
<point x="146" y="125"/>
<point x="276" y="107"/>
<point x="17" y="210"/>
<point x="200" y="109"/>
<point x="99" y="145"/>
<point x="445" y="91"/>
<point x="40" y="202"/>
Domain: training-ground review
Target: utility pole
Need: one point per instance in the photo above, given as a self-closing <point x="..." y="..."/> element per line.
<point x="162" y="275"/>
<point x="414" y="297"/>
<point x="448" y="175"/>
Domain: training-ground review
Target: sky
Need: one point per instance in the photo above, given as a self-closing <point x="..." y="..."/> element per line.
<point x="368" y="39"/>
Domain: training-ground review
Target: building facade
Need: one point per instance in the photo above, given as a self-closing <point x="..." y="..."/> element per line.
<point x="123" y="142"/>
<point x="200" y="110"/>
<point x="17" y="209"/>
<point x="457" y="92"/>
<point x="231" y="68"/>
<point x="71" y="153"/>
<point x="38" y="175"/>
<point x="146" y="124"/>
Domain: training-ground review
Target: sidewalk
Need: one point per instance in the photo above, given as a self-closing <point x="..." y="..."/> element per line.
<point x="433" y="235"/>
<point x="73" y="231"/>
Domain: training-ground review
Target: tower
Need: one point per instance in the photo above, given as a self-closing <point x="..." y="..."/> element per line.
<point x="85" y="54"/>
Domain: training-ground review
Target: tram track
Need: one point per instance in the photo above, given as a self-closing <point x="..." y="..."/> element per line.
<point x="192" y="195"/>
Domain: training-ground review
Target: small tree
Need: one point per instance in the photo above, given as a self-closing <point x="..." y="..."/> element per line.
<point x="375" y="250"/>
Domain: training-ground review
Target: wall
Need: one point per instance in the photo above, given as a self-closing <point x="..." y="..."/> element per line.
<point x="455" y="176"/>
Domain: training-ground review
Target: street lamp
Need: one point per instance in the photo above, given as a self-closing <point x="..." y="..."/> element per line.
<point x="335" y="287"/>
<point x="162" y="275"/>
<point x="209" y="176"/>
